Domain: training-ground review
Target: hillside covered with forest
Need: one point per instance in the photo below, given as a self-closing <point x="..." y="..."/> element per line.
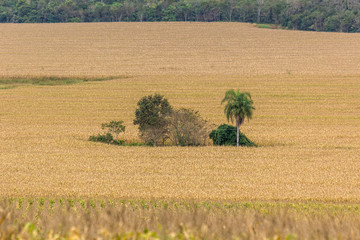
<point x="311" y="15"/>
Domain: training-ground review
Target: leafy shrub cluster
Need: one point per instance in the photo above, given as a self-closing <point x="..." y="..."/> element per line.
<point x="226" y="135"/>
<point x="106" y="138"/>
<point x="160" y="125"/>
<point x="113" y="127"/>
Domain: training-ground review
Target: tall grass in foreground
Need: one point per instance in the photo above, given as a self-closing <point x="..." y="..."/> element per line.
<point x="125" y="219"/>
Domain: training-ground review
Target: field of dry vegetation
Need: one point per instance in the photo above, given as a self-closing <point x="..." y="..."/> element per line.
<point x="164" y="219"/>
<point x="305" y="87"/>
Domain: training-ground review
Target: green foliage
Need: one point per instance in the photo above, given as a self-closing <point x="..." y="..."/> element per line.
<point x="150" y="116"/>
<point x="41" y="202"/>
<point x="159" y="124"/>
<point x="226" y="135"/>
<point x="330" y="15"/>
<point x="268" y="26"/>
<point x="264" y="26"/>
<point x="137" y="144"/>
<point x="151" y="111"/>
<point x="107" y="138"/>
<point x="238" y="106"/>
<point x="11" y="82"/>
<point x="115" y="127"/>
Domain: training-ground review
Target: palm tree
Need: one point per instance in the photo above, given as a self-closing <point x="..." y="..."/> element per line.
<point x="239" y="106"/>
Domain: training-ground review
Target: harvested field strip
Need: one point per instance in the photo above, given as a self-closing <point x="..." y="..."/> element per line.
<point x="176" y="219"/>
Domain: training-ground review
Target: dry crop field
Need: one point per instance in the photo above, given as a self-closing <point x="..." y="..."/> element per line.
<point x="164" y="219"/>
<point x="305" y="86"/>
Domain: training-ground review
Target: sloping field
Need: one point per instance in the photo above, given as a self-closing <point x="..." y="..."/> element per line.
<point x="172" y="48"/>
<point x="305" y="86"/>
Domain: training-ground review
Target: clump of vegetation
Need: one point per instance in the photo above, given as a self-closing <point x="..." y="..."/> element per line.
<point x="105" y="138"/>
<point x="151" y="118"/>
<point x="48" y="80"/>
<point x="226" y="135"/>
<point x="187" y="128"/>
<point x="113" y="127"/>
<point x="160" y="124"/>
<point x="268" y="26"/>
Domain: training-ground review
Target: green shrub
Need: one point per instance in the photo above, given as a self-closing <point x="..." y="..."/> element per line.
<point x="119" y="142"/>
<point x="107" y="138"/>
<point x="226" y="135"/>
<point x="134" y="144"/>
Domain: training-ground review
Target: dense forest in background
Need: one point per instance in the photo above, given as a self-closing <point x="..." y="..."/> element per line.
<point x="314" y="15"/>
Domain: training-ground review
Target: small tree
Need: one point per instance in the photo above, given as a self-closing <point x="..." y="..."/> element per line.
<point x="239" y="106"/>
<point x="115" y="127"/>
<point x="187" y="128"/>
<point x="150" y="116"/>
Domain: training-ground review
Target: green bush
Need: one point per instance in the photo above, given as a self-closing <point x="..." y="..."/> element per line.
<point x="136" y="144"/>
<point x="119" y="142"/>
<point x="226" y="135"/>
<point x="107" y="138"/>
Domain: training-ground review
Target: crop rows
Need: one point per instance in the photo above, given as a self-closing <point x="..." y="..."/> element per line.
<point x="67" y="218"/>
<point x="305" y="88"/>
<point x="104" y="49"/>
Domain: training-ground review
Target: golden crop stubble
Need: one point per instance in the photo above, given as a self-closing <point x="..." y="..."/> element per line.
<point x="45" y="151"/>
<point x="307" y="124"/>
<point x="125" y="219"/>
<point x="98" y="49"/>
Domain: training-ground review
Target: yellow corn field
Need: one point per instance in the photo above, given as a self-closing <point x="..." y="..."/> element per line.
<point x="70" y="219"/>
<point x="305" y="87"/>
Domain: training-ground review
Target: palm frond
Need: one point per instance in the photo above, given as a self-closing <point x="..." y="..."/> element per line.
<point x="229" y="95"/>
<point x="239" y="105"/>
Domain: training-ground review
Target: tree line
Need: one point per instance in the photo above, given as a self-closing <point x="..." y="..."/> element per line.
<point x="314" y="15"/>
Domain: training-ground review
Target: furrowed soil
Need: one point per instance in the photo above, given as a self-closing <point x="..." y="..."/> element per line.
<point x="305" y="87"/>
